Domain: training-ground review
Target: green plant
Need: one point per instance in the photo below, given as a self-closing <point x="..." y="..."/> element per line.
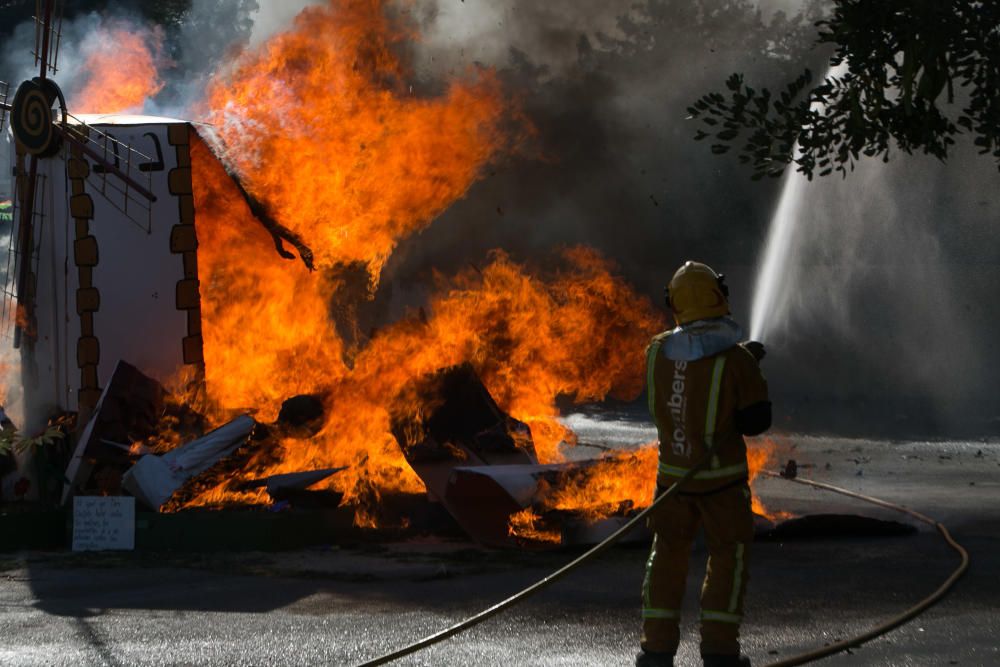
<point x="12" y="442"/>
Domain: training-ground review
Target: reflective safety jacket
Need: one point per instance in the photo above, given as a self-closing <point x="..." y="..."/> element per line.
<point x="704" y="388"/>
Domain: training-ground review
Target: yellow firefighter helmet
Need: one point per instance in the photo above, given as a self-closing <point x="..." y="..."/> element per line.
<point x="696" y="292"/>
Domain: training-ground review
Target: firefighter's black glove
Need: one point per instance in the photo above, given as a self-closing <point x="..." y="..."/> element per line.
<point x="756" y="349"/>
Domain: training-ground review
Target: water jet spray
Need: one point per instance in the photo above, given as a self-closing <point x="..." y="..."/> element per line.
<point x="771" y="292"/>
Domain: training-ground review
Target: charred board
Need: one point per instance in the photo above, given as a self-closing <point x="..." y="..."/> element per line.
<point x="450" y="429"/>
<point x="128" y="411"/>
<point x="449" y="419"/>
<point x="451" y="416"/>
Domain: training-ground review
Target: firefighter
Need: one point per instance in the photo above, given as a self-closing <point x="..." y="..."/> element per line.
<point x="706" y="392"/>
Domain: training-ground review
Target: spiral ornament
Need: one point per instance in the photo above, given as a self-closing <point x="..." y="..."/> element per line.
<point x="32" y="119"/>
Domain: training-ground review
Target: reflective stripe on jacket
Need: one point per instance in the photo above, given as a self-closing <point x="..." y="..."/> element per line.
<point x="693" y="403"/>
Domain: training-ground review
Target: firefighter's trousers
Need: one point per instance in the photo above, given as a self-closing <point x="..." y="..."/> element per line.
<point x="727" y="520"/>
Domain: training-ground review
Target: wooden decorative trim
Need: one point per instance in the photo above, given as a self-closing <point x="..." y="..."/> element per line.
<point x="88" y="296"/>
<point x="184" y="242"/>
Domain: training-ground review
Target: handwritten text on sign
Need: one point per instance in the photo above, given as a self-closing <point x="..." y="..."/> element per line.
<point x="101" y="523"/>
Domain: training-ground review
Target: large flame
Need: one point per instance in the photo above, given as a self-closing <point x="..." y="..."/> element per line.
<point x="322" y="126"/>
<point x="120" y="68"/>
<point x="323" y="123"/>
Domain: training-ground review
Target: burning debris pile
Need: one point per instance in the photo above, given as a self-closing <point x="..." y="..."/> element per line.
<point x="472" y="457"/>
<point x="143" y="442"/>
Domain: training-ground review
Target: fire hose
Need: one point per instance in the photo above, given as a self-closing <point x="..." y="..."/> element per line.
<point x="799" y="659"/>
<point x="899" y="619"/>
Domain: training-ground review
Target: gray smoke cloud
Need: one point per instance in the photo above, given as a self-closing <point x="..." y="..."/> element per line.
<point x="606" y="86"/>
<point x="273" y="16"/>
<point x="547" y="33"/>
<point x="210" y="34"/>
<point x="17" y="60"/>
<point x="487" y="32"/>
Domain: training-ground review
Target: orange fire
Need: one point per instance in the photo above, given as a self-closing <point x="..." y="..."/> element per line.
<point x="324" y="125"/>
<point x="624" y="480"/>
<point x="601" y="489"/>
<point x="596" y="490"/>
<point x="763" y="452"/>
<point x="120" y="69"/>
<point x="527" y="525"/>
<point x="24" y="321"/>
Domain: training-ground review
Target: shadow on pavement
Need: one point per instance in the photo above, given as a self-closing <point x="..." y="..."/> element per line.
<point x="74" y="590"/>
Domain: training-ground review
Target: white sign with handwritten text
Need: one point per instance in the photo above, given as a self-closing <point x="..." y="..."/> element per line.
<point x="103" y="523"/>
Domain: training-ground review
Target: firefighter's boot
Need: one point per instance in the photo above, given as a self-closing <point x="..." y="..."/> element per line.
<point x="654" y="659"/>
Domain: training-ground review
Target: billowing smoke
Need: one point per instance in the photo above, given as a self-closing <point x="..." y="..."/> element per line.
<point x="272" y="17"/>
<point x="612" y="164"/>
<point x="187" y="44"/>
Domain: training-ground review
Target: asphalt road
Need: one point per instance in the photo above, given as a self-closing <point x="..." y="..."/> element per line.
<point x="340" y="606"/>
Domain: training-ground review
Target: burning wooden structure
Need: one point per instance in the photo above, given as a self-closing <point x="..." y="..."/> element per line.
<point x="103" y="254"/>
